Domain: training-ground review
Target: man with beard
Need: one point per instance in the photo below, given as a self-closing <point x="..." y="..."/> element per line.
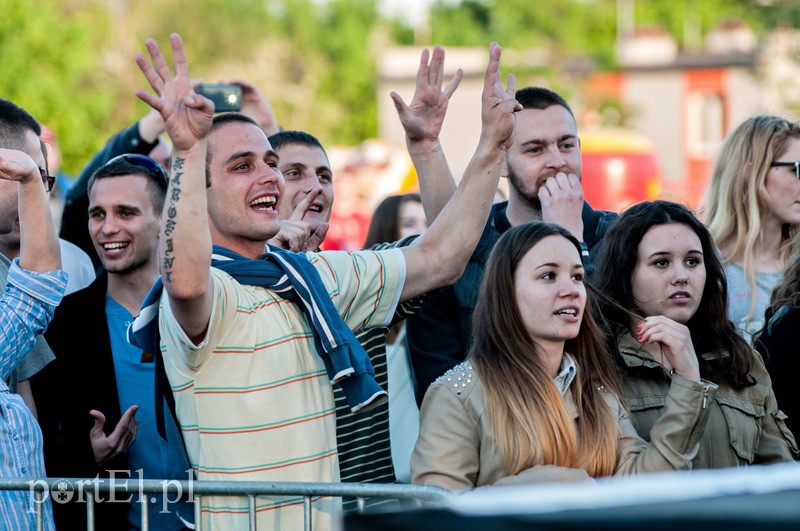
<point x="543" y="167"/>
<point x="109" y="426"/>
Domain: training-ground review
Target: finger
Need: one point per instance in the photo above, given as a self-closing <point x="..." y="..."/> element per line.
<point x="153" y="79"/>
<point x="316" y="239"/>
<point x="302" y="207"/>
<point x="511" y="87"/>
<point x="436" y="67"/>
<point x="451" y="87"/>
<point x="422" y="71"/>
<point x="149" y="99"/>
<point x="492" y="77"/>
<point x="562" y="181"/>
<point x="99" y="421"/>
<point x="179" y="56"/>
<point x="159" y="63"/>
<point x="399" y="104"/>
<point x="196" y="101"/>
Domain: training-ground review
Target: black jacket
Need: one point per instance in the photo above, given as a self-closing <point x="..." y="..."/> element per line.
<point x="81" y="378"/>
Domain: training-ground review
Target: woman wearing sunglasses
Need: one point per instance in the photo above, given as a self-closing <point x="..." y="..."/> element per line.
<point x="753" y="211"/>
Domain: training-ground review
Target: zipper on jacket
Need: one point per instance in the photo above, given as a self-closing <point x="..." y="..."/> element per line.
<point x="705" y="396"/>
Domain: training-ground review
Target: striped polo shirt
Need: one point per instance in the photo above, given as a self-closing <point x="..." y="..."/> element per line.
<point x="253" y="399"/>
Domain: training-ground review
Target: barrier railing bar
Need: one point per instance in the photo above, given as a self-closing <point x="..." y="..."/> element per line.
<point x="144" y="511"/>
<point x="90" y="513"/>
<point x="198" y="511"/>
<point x="251" y="501"/>
<point x="307" y="513"/>
<point x="39" y="515"/>
<point x="197" y="489"/>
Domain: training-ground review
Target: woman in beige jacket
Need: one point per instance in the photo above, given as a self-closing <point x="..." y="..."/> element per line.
<point x="537" y="398"/>
<point x="659" y="267"/>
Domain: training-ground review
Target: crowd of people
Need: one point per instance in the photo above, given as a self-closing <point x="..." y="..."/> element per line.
<point x="470" y="343"/>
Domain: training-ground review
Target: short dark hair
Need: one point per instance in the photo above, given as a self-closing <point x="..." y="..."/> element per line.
<point x="710" y="328"/>
<point x="121" y="166"/>
<point x="285" y="138"/>
<point x="541" y="98"/>
<point x="14" y="123"/>
<point x="218" y="121"/>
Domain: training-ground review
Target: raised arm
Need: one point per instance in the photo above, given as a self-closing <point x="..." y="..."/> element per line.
<point x="39" y="249"/>
<point x="185" y="246"/>
<point x="422" y="121"/>
<point x="441" y="254"/>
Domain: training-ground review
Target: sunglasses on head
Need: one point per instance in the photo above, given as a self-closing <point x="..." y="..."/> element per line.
<point x="142" y="161"/>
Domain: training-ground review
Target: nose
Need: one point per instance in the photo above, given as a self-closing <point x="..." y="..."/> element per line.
<point x="270" y="174"/>
<point x="569" y="289"/>
<point x="555" y="159"/>
<point x="109" y="225"/>
<point x="311" y="184"/>
<point x="681" y="276"/>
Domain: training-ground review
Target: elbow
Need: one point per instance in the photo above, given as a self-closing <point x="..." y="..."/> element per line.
<point x="183" y="290"/>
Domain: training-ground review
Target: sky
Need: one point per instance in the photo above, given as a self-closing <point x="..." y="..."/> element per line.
<point x="412" y="10"/>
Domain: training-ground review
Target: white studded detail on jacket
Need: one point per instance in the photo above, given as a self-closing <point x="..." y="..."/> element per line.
<point x="459" y="377"/>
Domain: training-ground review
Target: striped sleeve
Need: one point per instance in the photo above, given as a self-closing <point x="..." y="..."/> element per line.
<point x="26" y="308"/>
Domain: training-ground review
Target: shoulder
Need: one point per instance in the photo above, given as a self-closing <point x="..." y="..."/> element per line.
<point x="461" y="380"/>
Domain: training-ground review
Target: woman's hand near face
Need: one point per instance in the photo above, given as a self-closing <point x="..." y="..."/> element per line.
<point x="676" y="345"/>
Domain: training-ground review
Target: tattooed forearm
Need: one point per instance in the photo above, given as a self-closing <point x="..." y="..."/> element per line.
<point x="170" y="223"/>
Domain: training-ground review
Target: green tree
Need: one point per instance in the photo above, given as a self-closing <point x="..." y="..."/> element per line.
<point x="51" y="52"/>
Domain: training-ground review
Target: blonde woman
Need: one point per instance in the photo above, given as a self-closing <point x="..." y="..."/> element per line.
<point x="537" y="398"/>
<point x="753" y="211"/>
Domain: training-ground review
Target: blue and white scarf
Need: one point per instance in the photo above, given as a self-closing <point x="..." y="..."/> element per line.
<point x="293" y="277"/>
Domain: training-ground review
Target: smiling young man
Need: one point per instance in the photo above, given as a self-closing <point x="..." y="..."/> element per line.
<point x="111" y="429"/>
<point x="251" y="370"/>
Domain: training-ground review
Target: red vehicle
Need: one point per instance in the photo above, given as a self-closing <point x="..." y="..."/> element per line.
<point x="620" y="168"/>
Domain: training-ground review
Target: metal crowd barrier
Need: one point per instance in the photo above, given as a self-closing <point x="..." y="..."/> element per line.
<point x="249" y="489"/>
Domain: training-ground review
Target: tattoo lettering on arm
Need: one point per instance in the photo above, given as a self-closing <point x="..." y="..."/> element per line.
<point x="169" y="226"/>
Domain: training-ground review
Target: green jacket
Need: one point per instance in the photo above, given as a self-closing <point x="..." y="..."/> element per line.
<point x="744" y="427"/>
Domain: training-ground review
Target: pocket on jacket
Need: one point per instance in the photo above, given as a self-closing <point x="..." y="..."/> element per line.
<point x="643" y="402"/>
<point x="744" y="424"/>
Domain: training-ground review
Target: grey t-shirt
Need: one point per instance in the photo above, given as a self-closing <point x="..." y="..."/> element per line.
<point x="740" y="298"/>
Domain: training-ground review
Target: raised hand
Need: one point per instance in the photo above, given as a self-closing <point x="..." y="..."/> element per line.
<point x="423" y="118"/>
<point x="498" y="105"/>
<point x="675" y="343"/>
<point x="107" y="447"/>
<point x="18" y="166"/>
<point x="186" y="114"/>
<point x="298" y="235"/>
<point x="561" y="197"/>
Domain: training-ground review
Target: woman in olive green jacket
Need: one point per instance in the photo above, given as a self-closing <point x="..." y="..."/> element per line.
<point x="664" y="290"/>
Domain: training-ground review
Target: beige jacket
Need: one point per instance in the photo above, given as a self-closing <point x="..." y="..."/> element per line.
<point x="745" y="425"/>
<point x="456" y="449"/>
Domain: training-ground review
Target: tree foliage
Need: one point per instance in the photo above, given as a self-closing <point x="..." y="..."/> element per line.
<point x="70" y="62"/>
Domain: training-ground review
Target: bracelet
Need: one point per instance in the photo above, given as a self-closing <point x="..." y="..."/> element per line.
<point x="584" y="250"/>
